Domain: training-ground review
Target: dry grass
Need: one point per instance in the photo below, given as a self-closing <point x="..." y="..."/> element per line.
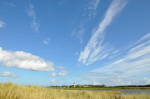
<point x="12" y="91"/>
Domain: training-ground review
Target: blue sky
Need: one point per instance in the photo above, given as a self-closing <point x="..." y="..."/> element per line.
<point x="59" y="42"/>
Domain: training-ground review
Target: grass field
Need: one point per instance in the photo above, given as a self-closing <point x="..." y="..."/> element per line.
<point x="13" y="91"/>
<point x="147" y="88"/>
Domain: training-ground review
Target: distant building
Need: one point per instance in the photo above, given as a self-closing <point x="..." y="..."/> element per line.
<point x="85" y="86"/>
<point x="74" y="84"/>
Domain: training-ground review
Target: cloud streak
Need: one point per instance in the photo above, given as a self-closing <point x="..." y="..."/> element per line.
<point x="46" y="41"/>
<point x="95" y="49"/>
<point x="20" y="59"/>
<point x="10" y="4"/>
<point x="62" y="73"/>
<point x="90" y="11"/>
<point x="8" y="74"/>
<point x="54" y="81"/>
<point x="93" y="4"/>
<point x="2" y="24"/>
<point x="78" y="33"/>
<point x="136" y="59"/>
<point x="61" y="67"/>
<point x="126" y="69"/>
<point x="31" y="13"/>
<point x="140" y="40"/>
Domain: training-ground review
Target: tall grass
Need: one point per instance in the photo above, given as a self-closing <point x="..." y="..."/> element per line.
<point x="13" y="91"/>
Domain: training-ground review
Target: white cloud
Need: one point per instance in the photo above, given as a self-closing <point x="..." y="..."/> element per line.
<point x="90" y="8"/>
<point x="62" y="73"/>
<point x="10" y="4"/>
<point x="78" y="33"/>
<point x="140" y="40"/>
<point x="93" y="4"/>
<point x="8" y="74"/>
<point x="111" y="80"/>
<point x="53" y="75"/>
<point x="53" y="80"/>
<point x="76" y="53"/>
<point x="24" y="60"/>
<point x="96" y="83"/>
<point x="46" y="41"/>
<point x="90" y="11"/>
<point x="31" y="13"/>
<point x="60" y="67"/>
<point x="62" y="2"/>
<point x="2" y="24"/>
<point x="56" y="81"/>
<point x="136" y="60"/>
<point x="95" y="50"/>
<point x="135" y="63"/>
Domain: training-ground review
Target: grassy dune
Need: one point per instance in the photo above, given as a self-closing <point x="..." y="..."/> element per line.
<point x="12" y="91"/>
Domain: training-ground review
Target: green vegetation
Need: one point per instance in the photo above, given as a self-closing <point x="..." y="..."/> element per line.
<point x="13" y="91"/>
<point x="103" y="87"/>
<point x="148" y="88"/>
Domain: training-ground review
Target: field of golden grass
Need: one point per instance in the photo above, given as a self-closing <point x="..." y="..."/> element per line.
<point x="13" y="91"/>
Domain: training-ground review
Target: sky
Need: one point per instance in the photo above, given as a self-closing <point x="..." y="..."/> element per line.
<point x="59" y="42"/>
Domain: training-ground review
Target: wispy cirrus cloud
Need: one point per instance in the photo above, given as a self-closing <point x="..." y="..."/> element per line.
<point x="92" y="6"/>
<point x="136" y="58"/>
<point x="8" y="74"/>
<point x="2" y="24"/>
<point x="90" y="11"/>
<point x="46" y="41"/>
<point x="62" y="73"/>
<point x="20" y="59"/>
<point x="31" y="13"/>
<point x="95" y="49"/>
<point x="62" y="2"/>
<point x="78" y="33"/>
<point x="126" y="69"/>
<point x="76" y="53"/>
<point x="140" y="40"/>
<point x="10" y="4"/>
<point x="61" y="67"/>
<point x="54" y="81"/>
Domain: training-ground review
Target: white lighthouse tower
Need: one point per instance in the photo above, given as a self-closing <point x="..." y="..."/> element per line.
<point x="74" y="84"/>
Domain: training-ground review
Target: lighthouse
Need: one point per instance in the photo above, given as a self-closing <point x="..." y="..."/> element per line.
<point x="74" y="84"/>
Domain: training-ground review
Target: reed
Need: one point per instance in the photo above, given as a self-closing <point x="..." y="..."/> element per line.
<point x="13" y="91"/>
